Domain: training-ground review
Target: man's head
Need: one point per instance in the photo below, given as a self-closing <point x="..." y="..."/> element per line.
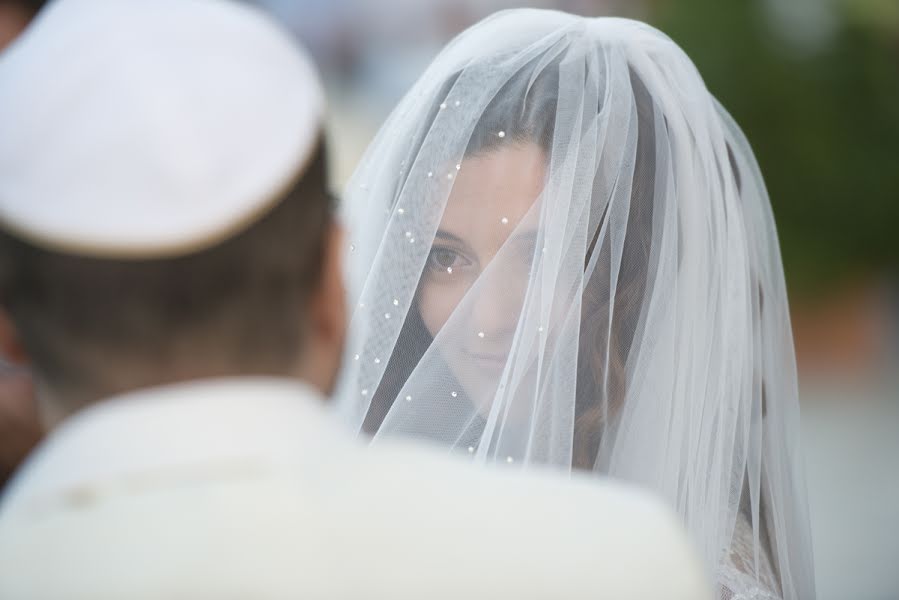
<point x="164" y="213"/>
<point x="267" y="301"/>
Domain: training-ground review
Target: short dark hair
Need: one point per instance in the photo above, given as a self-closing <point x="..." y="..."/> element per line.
<point x="241" y="301"/>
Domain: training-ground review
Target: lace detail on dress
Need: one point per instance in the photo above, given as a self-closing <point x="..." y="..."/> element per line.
<point x="737" y="577"/>
<point x="736" y="585"/>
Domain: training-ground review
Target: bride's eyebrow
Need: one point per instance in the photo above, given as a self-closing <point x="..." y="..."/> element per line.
<point x="446" y="236"/>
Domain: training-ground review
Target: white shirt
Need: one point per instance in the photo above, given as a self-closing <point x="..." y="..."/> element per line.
<point x="246" y="488"/>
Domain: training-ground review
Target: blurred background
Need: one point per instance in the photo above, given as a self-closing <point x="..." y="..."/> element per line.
<point x="815" y="86"/>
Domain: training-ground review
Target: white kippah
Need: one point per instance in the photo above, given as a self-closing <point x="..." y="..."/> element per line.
<point x="150" y="128"/>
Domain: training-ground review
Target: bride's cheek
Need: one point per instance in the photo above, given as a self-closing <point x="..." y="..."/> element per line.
<point x="436" y="303"/>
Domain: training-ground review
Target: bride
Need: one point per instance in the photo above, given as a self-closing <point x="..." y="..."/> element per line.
<point x="562" y="253"/>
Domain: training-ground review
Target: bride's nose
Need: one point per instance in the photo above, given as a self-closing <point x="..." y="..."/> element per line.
<point x="496" y="303"/>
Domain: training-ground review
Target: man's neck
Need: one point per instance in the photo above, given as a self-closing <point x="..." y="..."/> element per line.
<point x="57" y="403"/>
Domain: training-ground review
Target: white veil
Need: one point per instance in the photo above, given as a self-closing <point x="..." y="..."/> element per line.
<point x="562" y="251"/>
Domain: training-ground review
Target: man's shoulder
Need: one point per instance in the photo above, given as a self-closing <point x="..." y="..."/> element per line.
<point x="586" y="535"/>
<point x="319" y="515"/>
<point x="371" y="517"/>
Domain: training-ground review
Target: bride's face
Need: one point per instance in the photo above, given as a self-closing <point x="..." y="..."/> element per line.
<point x="480" y="261"/>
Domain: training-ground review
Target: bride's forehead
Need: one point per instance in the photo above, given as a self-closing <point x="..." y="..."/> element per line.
<point x="496" y="185"/>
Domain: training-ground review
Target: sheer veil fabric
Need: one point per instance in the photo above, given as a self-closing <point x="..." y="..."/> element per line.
<point x="561" y="251"/>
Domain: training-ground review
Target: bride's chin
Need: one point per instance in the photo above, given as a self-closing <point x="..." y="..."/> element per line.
<point x="481" y="384"/>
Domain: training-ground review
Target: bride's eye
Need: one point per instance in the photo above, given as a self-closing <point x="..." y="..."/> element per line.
<point x="446" y="259"/>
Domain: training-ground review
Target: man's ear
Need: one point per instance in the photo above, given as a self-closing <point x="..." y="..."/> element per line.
<point x="11" y="348"/>
<point x="328" y="318"/>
